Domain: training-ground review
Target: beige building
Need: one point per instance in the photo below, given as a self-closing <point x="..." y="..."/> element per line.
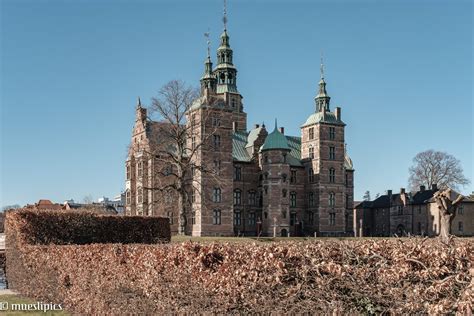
<point x="413" y="213"/>
<point x="265" y="182"/>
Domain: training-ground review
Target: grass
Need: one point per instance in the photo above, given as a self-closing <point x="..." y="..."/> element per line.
<point x="179" y="239"/>
<point x="17" y="299"/>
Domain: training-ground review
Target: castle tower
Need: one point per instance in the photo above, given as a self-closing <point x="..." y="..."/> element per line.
<point x="274" y="156"/>
<point x="226" y="75"/>
<point x="323" y="154"/>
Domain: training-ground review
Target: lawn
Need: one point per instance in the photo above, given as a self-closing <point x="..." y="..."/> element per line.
<point x="16" y="299"/>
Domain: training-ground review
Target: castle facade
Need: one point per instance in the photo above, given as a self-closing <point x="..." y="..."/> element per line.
<point x="265" y="182"/>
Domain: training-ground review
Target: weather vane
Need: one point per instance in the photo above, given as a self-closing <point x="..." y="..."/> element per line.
<point x="224" y="19"/>
<point x="207" y="34"/>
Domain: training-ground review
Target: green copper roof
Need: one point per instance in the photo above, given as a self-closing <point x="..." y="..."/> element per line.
<point x="239" y="153"/>
<point x="319" y="117"/>
<point x="275" y="140"/>
<point x="221" y="88"/>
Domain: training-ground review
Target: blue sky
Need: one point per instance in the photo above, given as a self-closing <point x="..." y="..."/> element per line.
<point x="71" y="72"/>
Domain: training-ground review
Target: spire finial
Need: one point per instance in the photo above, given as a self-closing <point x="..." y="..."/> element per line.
<point x="207" y="34"/>
<point x="276" y="124"/>
<point x="322" y="66"/>
<point x="224" y="18"/>
<point x="139" y="103"/>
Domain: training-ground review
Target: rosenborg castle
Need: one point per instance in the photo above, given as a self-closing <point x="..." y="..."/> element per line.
<point x="268" y="183"/>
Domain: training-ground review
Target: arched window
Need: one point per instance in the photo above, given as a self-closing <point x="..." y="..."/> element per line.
<point x="216" y="195"/>
<point x="332" y="199"/>
<point x="237" y="197"/>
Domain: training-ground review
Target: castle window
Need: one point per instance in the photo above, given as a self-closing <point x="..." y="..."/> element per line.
<point x="237" y="197"/>
<point x="265" y="175"/>
<point x="128" y="172"/>
<point x="217" y="167"/>
<point x="283" y="193"/>
<point x="284" y="158"/>
<point x="252" y="219"/>
<point x="216" y="195"/>
<point x="129" y="200"/>
<point x="311" y="218"/>
<point x="252" y="198"/>
<point x="237" y="173"/>
<point x="311" y="133"/>
<point x="332" y="152"/>
<point x="293" y="199"/>
<point x="265" y="159"/>
<point x="140" y="195"/>
<point x="193" y="218"/>
<point x="460" y="226"/>
<point x="170" y="216"/>
<point x="347" y="179"/>
<point x="348" y="202"/>
<point x="233" y="102"/>
<point x="168" y="170"/>
<point x="293" y="219"/>
<point x="332" y="219"/>
<point x="419" y="209"/>
<point x="237" y="218"/>
<point x="461" y="210"/>
<point x="310" y="175"/>
<point x="400" y="210"/>
<point x="193" y="170"/>
<point x="217" y="141"/>
<point x="332" y="175"/>
<point x="293" y="176"/>
<point x="311" y="152"/>
<point x="311" y="199"/>
<point x="332" y="199"/>
<point x="193" y="120"/>
<point x="216" y="217"/>
<point x="332" y="133"/>
<point x="283" y="213"/>
<point x="283" y="177"/>
<point x="140" y="169"/>
<point x="419" y="227"/>
<point x="193" y="142"/>
<point x="216" y="121"/>
<point x="193" y="196"/>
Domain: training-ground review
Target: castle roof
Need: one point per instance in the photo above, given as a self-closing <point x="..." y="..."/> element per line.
<point x="322" y="117"/>
<point x="275" y="140"/>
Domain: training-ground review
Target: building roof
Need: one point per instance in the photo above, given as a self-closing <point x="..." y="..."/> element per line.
<point x="275" y="140"/>
<point x="239" y="141"/>
<point x="422" y="197"/>
<point x="322" y="117"/>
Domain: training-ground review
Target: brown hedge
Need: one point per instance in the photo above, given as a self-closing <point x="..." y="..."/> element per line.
<point x="352" y="276"/>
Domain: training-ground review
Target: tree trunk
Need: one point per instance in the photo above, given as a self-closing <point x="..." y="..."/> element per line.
<point x="181" y="215"/>
<point x="445" y="227"/>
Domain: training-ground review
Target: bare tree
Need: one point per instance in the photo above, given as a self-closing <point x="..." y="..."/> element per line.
<point x="448" y="202"/>
<point x="435" y="167"/>
<point x="173" y="149"/>
<point x="367" y="195"/>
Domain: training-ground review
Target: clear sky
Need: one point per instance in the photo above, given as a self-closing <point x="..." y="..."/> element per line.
<point x="71" y="72"/>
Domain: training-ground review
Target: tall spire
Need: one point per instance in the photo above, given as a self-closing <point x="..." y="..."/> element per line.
<point x="208" y="80"/>
<point x="224" y="18"/>
<point x="139" y="103"/>
<point x="322" y="98"/>
<point x="225" y="71"/>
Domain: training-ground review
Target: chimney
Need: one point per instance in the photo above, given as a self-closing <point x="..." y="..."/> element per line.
<point x="257" y="126"/>
<point x="389" y="192"/>
<point x="282" y="130"/>
<point x="337" y="111"/>
<point x="422" y="188"/>
<point x="434" y="187"/>
<point x="234" y="126"/>
<point x="402" y="190"/>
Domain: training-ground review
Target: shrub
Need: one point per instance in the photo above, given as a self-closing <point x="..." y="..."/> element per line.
<point x="352" y="276"/>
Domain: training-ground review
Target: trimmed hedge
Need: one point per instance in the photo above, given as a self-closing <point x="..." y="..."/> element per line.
<point x="351" y="276"/>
